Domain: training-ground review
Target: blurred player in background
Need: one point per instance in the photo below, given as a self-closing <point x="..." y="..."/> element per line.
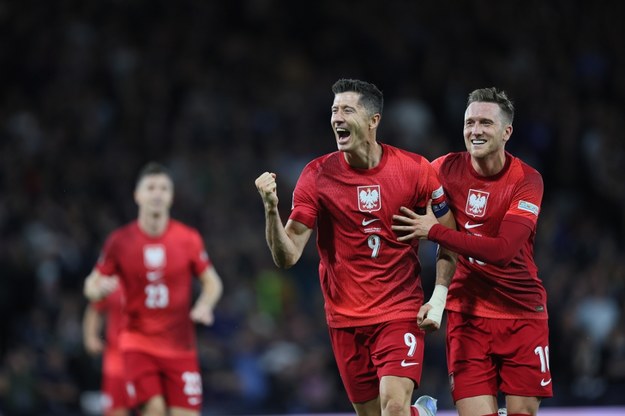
<point x="369" y="279"/>
<point x="107" y="316"/>
<point x="154" y="260"/>
<point x="497" y="329"/>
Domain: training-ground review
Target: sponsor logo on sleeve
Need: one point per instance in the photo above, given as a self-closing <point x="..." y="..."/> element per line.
<point x="438" y="193"/>
<point x="529" y="207"/>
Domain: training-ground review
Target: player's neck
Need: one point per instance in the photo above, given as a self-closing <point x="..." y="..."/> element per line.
<point x="153" y="224"/>
<point x="490" y="165"/>
<point x="365" y="157"/>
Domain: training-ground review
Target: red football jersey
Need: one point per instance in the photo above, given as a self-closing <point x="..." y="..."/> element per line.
<point x="156" y="276"/>
<point x="366" y="275"/>
<point x="479" y="205"/>
<point x="112" y="307"/>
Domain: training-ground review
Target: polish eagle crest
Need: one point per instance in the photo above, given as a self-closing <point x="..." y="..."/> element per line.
<point x="369" y="198"/>
<point x="476" y="203"/>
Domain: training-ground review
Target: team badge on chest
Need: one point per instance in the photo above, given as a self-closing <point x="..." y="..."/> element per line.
<point x="476" y="203"/>
<point x="154" y="256"/>
<point x="369" y="198"/>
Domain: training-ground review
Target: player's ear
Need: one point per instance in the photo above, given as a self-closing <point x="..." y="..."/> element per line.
<point x="507" y="133"/>
<point x="374" y="121"/>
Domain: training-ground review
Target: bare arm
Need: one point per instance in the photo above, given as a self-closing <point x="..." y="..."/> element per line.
<point x="212" y="288"/>
<point x="92" y="323"/>
<point x="431" y="313"/>
<point x="286" y="243"/>
<point x="445" y="258"/>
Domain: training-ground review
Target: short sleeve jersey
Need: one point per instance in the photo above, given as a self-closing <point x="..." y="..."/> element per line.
<point x="156" y="276"/>
<point x="366" y="275"/>
<point x="479" y="205"/>
<point x="112" y="308"/>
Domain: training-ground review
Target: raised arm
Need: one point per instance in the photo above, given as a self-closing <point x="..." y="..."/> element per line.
<point x="286" y="243"/>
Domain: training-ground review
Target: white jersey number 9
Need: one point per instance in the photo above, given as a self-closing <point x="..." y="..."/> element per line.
<point x="374" y="244"/>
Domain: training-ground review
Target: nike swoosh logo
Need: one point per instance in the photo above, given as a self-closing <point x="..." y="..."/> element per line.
<point x="545" y="383"/>
<point x="405" y="364"/>
<point x="367" y="222"/>
<point x="469" y="226"/>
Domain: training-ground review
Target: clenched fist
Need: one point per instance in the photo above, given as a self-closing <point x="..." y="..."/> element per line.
<point x="266" y="185"/>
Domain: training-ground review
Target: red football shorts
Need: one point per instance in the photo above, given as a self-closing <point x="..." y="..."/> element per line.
<point x="487" y="355"/>
<point x="177" y="379"/>
<point x="115" y="394"/>
<point x="365" y="354"/>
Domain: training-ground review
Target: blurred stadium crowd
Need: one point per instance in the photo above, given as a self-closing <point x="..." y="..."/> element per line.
<point x="223" y="90"/>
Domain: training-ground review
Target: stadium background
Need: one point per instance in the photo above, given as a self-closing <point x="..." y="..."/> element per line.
<point x="223" y="90"/>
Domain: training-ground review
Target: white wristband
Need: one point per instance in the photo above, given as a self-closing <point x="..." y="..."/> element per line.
<point x="437" y="301"/>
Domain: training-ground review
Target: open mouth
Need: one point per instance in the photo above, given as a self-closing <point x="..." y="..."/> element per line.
<point x="478" y="142"/>
<point x="342" y="133"/>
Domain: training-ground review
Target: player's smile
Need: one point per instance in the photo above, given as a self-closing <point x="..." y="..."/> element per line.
<point x="476" y="144"/>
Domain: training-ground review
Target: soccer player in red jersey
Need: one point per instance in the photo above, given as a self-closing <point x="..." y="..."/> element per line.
<point x="497" y="329"/>
<point x="370" y="280"/>
<point x="154" y="259"/>
<point x="108" y="313"/>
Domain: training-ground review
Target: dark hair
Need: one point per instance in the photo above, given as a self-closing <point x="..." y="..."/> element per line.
<point x="492" y="95"/>
<point x="370" y="96"/>
<point x="152" y="168"/>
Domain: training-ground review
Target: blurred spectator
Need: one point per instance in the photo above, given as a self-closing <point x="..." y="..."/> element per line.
<point x="19" y="393"/>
